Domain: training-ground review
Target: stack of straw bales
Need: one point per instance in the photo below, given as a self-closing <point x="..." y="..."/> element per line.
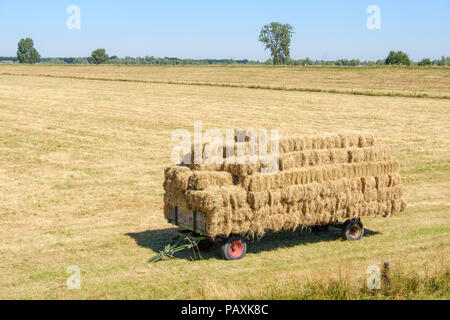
<point x="320" y="180"/>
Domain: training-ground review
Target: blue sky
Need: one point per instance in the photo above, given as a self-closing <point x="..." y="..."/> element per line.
<point x="324" y="29"/>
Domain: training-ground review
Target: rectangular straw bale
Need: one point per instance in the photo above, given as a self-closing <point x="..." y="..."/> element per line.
<point x="290" y="144"/>
<point x="370" y="208"/>
<point x="294" y="208"/>
<point x="201" y="180"/>
<point x="306" y="143"/>
<point x="312" y="191"/>
<point x="345" y="141"/>
<point x="327" y="142"/>
<point x="370" y="195"/>
<point x="343" y="198"/>
<point x="293" y="193"/>
<point x="177" y="178"/>
<point x="327" y="189"/>
<point x="353" y="140"/>
<point x="318" y="175"/>
<point x="315" y="142"/>
<point x="318" y="157"/>
<point x="355" y="184"/>
<point x="242" y="167"/>
<point x="354" y="210"/>
<point x="339" y="155"/>
<point x="333" y="172"/>
<point x="274" y="197"/>
<point x="368" y="183"/>
<point x="242" y="170"/>
<point x="366" y="140"/>
<point x="355" y="197"/>
<point x="234" y="196"/>
<point x="311" y="208"/>
<point x="258" y="199"/>
<point x="356" y="155"/>
<point x="391" y="193"/>
<point x="384" y="208"/>
<point x="240" y="215"/>
<point x="292" y="160"/>
<point x="336" y="142"/>
<point x="356" y="140"/>
<point x="207" y="201"/>
<point x="382" y="182"/>
<point x="394" y="180"/>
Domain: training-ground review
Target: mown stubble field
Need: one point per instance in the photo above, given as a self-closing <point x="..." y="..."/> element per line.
<point x="82" y="155"/>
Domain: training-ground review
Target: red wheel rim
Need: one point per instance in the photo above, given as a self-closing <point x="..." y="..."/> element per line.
<point x="236" y="249"/>
<point x="355" y="231"/>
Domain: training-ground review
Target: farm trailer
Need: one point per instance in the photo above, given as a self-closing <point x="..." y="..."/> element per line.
<point x="321" y="181"/>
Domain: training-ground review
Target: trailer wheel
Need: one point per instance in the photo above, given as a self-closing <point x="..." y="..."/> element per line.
<point x="352" y="230"/>
<point x="320" y="228"/>
<point x="234" y="248"/>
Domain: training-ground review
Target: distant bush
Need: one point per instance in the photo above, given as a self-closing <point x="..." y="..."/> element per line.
<point x="398" y="57"/>
<point x="424" y="62"/>
<point x="445" y="61"/>
<point x="81" y="61"/>
<point x="346" y="62"/>
<point x="57" y="61"/>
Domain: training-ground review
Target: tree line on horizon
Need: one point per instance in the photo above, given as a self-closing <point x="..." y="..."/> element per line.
<point x="275" y="36"/>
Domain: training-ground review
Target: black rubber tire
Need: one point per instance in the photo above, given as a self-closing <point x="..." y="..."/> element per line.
<point x="234" y="248"/>
<point x="352" y="230"/>
<point x="205" y="244"/>
<point x="322" y="228"/>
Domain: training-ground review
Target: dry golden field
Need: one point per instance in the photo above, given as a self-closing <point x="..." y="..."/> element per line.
<point x="81" y="170"/>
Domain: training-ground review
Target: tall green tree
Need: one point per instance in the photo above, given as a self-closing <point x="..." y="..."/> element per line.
<point x="398" y="57"/>
<point x="26" y="53"/>
<point x="99" y="56"/>
<point x="277" y="38"/>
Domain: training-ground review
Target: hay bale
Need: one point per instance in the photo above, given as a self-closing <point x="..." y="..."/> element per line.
<point x="257" y="200"/>
<point x="203" y="179"/>
<point x="177" y="178"/>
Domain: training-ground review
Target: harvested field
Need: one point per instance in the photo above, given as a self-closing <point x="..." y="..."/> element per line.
<point x="395" y="81"/>
<point x="82" y="168"/>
